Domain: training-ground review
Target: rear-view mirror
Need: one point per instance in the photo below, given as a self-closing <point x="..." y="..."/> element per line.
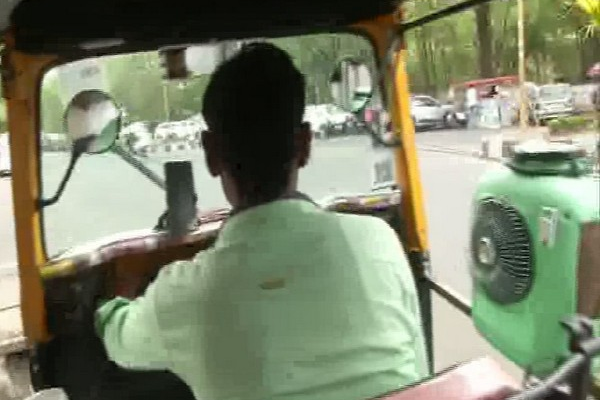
<point x="92" y="121"/>
<point x="186" y="62"/>
<point x="351" y="84"/>
<point x="352" y="89"/>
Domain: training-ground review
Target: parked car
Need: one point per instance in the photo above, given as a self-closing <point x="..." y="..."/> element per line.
<point x="428" y="112"/>
<point x="55" y="142"/>
<point x="138" y="137"/>
<point x="328" y="119"/>
<point x="5" y="164"/>
<point x="177" y="130"/>
<point x="318" y="120"/>
<point x="553" y="101"/>
<point x="199" y="119"/>
<point x="454" y="117"/>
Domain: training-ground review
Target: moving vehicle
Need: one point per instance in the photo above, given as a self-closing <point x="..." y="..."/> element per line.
<point x="64" y="270"/>
<point x="428" y="112"/>
<point x="553" y="101"/>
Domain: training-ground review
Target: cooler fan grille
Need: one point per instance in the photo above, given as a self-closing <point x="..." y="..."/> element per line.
<point x="502" y="252"/>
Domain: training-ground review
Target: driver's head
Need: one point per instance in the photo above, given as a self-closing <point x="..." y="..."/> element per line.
<point x="256" y="141"/>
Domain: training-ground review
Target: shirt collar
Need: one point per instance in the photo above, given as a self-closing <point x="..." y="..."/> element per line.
<point x="242" y="221"/>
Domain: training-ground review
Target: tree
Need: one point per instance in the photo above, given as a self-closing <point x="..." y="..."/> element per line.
<point x="484" y="36"/>
<point x="592" y="9"/>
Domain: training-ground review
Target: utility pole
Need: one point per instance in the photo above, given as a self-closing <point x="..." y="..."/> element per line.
<point x="523" y="96"/>
<point x="165" y="90"/>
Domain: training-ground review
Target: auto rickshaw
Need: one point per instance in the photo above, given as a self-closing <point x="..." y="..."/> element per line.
<point x="60" y="286"/>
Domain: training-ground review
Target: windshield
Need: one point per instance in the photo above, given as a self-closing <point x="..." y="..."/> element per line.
<point x="162" y="122"/>
<point x="555" y="92"/>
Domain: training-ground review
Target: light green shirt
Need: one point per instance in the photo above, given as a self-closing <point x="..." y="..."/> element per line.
<point x="292" y="302"/>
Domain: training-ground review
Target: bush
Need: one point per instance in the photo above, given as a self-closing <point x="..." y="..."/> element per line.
<point x="572" y="124"/>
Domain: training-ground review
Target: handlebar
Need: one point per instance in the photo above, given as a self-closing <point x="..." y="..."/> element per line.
<point x="549" y="385"/>
<point x="575" y="371"/>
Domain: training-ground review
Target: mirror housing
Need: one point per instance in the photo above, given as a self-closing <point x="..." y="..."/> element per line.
<point x="351" y="84"/>
<point x="180" y="63"/>
<point x="93" y="121"/>
<point x="352" y="89"/>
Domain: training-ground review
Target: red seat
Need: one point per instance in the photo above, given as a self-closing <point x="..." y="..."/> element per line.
<point x="481" y="379"/>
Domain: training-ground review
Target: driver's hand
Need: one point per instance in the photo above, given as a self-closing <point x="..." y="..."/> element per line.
<point x="130" y="284"/>
<point x="213" y="215"/>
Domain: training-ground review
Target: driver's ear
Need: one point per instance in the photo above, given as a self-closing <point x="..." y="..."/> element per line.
<point x="303" y="144"/>
<point x="211" y="153"/>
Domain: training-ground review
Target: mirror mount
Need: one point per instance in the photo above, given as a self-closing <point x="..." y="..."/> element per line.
<point x="92" y="120"/>
<point x="80" y="146"/>
<point x="135" y="163"/>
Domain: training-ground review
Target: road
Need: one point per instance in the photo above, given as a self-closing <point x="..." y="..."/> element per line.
<point x="106" y="196"/>
<point x="124" y="199"/>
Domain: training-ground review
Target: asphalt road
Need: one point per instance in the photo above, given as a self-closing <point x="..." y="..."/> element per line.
<point x="97" y="202"/>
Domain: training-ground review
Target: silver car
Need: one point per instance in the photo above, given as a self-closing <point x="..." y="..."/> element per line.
<point x="427" y="112"/>
<point x="554" y="101"/>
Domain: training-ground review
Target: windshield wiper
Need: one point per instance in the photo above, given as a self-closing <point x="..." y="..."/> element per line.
<point x="137" y="164"/>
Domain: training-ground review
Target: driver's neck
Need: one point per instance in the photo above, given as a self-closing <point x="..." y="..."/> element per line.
<point x="248" y="202"/>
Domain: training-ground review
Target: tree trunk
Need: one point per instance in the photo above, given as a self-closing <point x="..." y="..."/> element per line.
<point x="589" y="53"/>
<point x="484" y="36"/>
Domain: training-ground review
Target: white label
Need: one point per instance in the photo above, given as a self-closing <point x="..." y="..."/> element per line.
<point x="548" y="225"/>
<point x="383" y="169"/>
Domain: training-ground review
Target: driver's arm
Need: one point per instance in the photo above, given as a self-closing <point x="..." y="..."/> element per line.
<point x="130" y="331"/>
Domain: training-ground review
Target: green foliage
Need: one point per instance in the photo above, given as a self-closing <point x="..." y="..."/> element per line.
<point x="572" y="124"/>
<point x="446" y="51"/>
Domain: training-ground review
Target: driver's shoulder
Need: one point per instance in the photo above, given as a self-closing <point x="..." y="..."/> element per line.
<point x="364" y="224"/>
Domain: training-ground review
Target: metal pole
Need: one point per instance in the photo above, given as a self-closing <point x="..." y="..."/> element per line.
<point x="166" y="101"/>
<point x="523" y="114"/>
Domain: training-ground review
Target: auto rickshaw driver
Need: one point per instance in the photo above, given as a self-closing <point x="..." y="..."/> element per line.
<point x="292" y="301"/>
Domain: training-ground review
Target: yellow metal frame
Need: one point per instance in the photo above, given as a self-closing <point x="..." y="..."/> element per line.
<point x="21" y="82"/>
<point x="22" y="76"/>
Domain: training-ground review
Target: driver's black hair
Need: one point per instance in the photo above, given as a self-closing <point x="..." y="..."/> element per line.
<point x="255" y="102"/>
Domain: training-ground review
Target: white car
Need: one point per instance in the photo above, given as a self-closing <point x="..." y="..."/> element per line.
<point x="178" y="130"/>
<point x="199" y="119"/>
<point x="137" y="137"/>
<point x="55" y="142"/>
<point x="336" y="115"/>
<point x="326" y="117"/>
<point x="318" y="120"/>
<point x="5" y="164"/>
<point x="427" y="112"/>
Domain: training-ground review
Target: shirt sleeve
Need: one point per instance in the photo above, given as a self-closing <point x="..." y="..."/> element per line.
<point x="130" y="331"/>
